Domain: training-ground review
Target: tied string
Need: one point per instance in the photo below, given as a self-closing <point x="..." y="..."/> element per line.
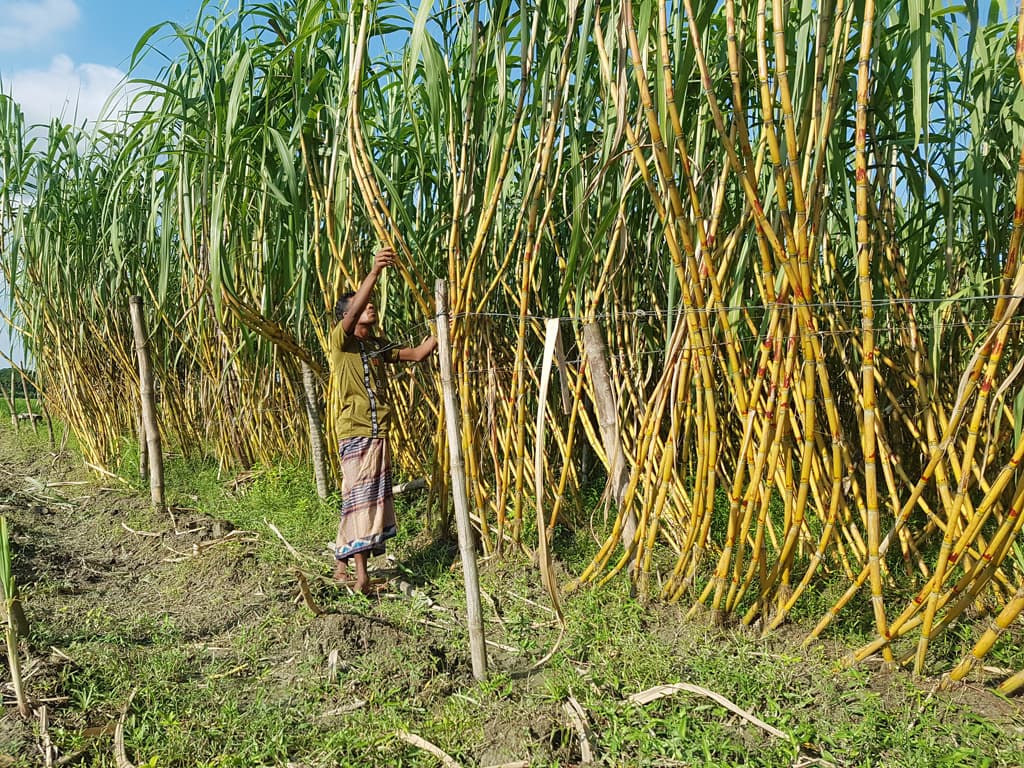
<point x="411" y="335"/>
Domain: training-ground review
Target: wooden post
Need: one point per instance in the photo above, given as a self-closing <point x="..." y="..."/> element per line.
<point x="28" y="401"/>
<point x="316" y="430"/>
<point x="14" y="402"/>
<point x="140" y="431"/>
<point x="467" y="549"/>
<point x="608" y="420"/>
<point x="156" y="461"/>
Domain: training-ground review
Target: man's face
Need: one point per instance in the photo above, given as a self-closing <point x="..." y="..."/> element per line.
<point x="369" y="315"/>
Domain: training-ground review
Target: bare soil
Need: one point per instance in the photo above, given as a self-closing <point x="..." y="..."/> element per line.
<point x="93" y="580"/>
<point x="88" y="574"/>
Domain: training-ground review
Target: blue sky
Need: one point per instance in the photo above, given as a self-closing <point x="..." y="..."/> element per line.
<point x="64" y="57"/>
<point x="59" y="55"/>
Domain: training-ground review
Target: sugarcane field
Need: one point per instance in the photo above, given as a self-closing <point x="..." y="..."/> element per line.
<point x="512" y="384"/>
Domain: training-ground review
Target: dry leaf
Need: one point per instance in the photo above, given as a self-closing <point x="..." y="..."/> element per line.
<point x="661" y="691"/>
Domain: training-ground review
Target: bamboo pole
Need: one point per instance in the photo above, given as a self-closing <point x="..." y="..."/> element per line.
<point x="156" y="461"/>
<point x="13" y="403"/>
<point x="316" y="431"/>
<point x="467" y="550"/>
<point x="140" y="432"/>
<point x="608" y="420"/>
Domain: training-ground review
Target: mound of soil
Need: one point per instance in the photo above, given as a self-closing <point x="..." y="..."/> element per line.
<point x="97" y="581"/>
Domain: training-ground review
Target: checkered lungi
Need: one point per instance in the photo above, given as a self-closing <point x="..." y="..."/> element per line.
<point x="367" y="503"/>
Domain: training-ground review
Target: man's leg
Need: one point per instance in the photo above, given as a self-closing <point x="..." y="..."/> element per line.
<point x="341" y="570"/>
<point x="362" y="577"/>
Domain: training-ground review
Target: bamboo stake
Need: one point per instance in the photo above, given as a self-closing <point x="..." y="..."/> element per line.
<point x="149" y="418"/>
<point x="316" y="432"/>
<point x="143" y="445"/>
<point x="467" y="550"/>
<point x="608" y="420"/>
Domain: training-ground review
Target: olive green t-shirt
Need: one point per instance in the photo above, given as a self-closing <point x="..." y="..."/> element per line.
<point x="359" y="396"/>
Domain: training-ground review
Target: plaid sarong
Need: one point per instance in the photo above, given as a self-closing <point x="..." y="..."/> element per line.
<point x="367" y="504"/>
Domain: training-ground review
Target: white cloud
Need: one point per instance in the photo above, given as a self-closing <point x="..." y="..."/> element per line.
<point x="23" y="24"/>
<point x="71" y="92"/>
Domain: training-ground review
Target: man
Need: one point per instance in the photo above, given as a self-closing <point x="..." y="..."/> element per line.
<point x="362" y="415"/>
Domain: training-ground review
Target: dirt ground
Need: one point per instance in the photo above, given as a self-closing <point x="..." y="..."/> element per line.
<point x="98" y="582"/>
<point x="92" y="576"/>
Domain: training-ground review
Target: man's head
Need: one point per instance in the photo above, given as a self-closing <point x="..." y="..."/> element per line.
<point x="367" y="317"/>
<point x="341" y="307"/>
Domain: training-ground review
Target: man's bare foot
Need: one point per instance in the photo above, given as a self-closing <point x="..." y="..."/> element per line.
<point x="341" y="574"/>
<point x="362" y="583"/>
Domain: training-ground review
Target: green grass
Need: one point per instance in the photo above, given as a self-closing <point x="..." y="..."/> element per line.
<point x="21" y="405"/>
<point x="229" y="669"/>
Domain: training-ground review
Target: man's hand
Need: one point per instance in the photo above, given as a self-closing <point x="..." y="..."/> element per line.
<point x="385" y="257"/>
<point x="418" y="353"/>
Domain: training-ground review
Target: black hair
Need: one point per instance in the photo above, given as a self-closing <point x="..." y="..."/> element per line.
<point x="341" y="307"/>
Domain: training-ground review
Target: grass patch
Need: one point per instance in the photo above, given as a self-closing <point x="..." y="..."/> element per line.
<point x="21" y="405"/>
<point x="229" y="668"/>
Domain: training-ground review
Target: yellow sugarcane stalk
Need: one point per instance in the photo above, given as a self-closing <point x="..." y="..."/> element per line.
<point x="775" y="403"/>
<point x="764" y="226"/>
<point x="766" y="464"/>
<point x="534" y="225"/>
<point x="974" y="581"/>
<point x="376" y="206"/>
<point x="1012" y="684"/>
<point x="944" y="558"/>
<point x="768" y="125"/>
<point x="574" y="419"/>
<point x="908" y="618"/>
<point x="865" y="251"/>
<point x="826" y="17"/>
<point x="697" y="273"/>
<point x="463" y="162"/>
<point x="647" y="432"/>
<point x="789" y="124"/>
